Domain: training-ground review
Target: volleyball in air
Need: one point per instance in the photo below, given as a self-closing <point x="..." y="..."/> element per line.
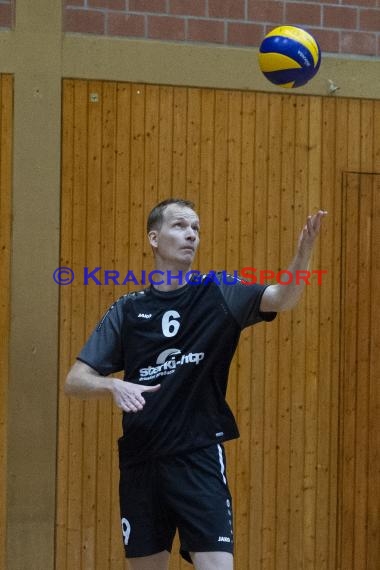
<point x="289" y="56"/>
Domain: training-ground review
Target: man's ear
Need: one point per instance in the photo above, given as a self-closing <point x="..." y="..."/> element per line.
<point x="153" y="238"/>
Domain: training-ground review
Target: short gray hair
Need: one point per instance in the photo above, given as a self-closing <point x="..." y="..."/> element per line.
<point x="156" y="216"/>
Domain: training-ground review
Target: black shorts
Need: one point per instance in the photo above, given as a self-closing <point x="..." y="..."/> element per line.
<point x="188" y="492"/>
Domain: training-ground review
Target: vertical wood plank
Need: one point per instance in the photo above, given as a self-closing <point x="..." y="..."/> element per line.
<point x="352" y="132"/>
<point x="205" y="200"/>
<point x="153" y="133"/>
<point x="257" y="245"/>
<point x="254" y="366"/>
<point x="349" y="363"/>
<point x="338" y="223"/>
<point x="137" y="173"/>
<point x="268" y="184"/>
<point x="122" y="183"/>
<point x="373" y="474"/>
<point x="92" y="309"/>
<point x="107" y="296"/>
<point x="180" y="121"/>
<point x="312" y="356"/>
<point x="326" y="431"/>
<point x="232" y="258"/>
<point x="193" y="147"/>
<point x="366" y="136"/>
<point x="165" y="143"/>
<point x="245" y="516"/>
<point x="359" y="497"/>
<point x="220" y="179"/>
<point x="348" y="414"/>
<point x="303" y="154"/>
<point x="288" y="205"/>
<point x="75" y="469"/>
<point x="363" y="307"/>
<point x="6" y="138"/>
<point x="376" y="136"/>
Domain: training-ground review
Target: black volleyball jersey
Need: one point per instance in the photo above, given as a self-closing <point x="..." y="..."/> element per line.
<point x="184" y="340"/>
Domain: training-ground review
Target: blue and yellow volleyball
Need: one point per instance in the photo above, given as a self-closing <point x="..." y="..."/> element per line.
<point x="289" y="56"/>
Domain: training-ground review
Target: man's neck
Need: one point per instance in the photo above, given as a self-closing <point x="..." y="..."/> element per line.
<point x="172" y="278"/>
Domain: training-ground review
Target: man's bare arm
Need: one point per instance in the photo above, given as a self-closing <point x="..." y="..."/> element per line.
<point x="84" y="382"/>
<point x="282" y="297"/>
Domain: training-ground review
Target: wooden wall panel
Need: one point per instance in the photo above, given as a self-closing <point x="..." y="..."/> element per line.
<point x="359" y="465"/>
<point x="255" y="164"/>
<point x="6" y="138"/>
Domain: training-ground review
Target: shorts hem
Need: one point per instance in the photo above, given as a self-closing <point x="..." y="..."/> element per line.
<point x="185" y="552"/>
<point x="152" y="552"/>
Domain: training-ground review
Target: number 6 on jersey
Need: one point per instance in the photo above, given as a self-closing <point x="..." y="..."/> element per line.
<point x="169" y="325"/>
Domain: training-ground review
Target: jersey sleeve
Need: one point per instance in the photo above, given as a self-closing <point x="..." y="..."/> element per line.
<point x="243" y="302"/>
<point x="103" y="350"/>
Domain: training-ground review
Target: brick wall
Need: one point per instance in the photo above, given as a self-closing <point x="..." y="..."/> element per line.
<point x="6" y="14"/>
<point x="341" y="26"/>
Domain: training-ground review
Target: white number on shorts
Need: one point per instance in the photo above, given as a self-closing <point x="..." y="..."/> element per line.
<point x="126" y="530"/>
<point x="169" y="325"/>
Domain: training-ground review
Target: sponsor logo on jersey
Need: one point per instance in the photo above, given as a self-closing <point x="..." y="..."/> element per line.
<point x="224" y="539"/>
<point x="144" y="316"/>
<point x="167" y="363"/>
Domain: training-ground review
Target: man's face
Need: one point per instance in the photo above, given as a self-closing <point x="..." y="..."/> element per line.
<point x="176" y="242"/>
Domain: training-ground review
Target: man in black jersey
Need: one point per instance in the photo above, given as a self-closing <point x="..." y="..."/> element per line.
<point x="174" y="342"/>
